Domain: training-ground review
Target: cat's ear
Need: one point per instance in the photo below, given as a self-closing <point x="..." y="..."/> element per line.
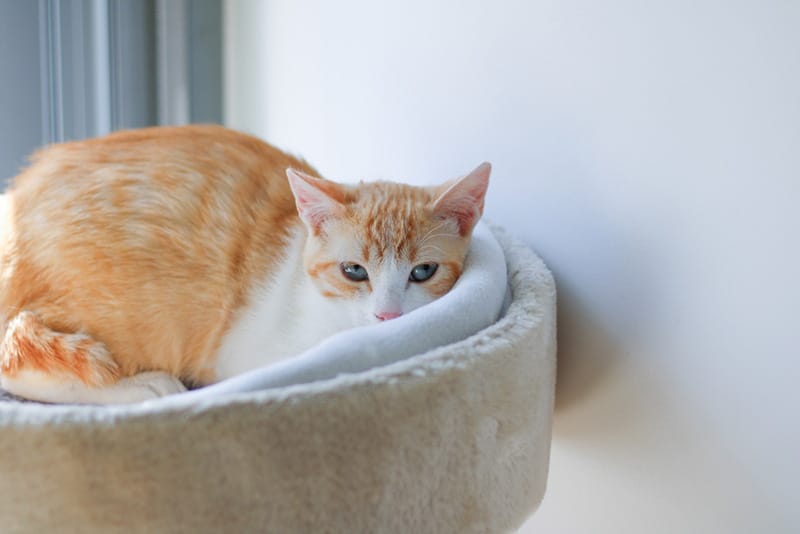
<point x="317" y="200"/>
<point x="463" y="199"/>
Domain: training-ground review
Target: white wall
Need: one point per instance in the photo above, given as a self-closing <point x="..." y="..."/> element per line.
<point x="650" y="151"/>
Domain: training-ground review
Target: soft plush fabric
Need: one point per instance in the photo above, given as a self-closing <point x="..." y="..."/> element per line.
<point x="454" y="439"/>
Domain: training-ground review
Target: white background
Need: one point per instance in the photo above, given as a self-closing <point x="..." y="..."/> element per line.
<point x="650" y="152"/>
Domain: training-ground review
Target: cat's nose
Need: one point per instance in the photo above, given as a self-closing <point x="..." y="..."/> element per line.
<point x="385" y="316"/>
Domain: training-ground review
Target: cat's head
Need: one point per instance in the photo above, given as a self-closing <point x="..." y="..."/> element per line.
<point x="389" y="248"/>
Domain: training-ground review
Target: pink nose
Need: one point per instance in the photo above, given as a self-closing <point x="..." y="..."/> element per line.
<point x="385" y="316"/>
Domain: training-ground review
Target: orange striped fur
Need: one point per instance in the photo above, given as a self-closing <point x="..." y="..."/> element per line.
<point x="138" y="251"/>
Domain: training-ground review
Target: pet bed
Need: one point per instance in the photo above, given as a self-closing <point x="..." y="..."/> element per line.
<point x="438" y="421"/>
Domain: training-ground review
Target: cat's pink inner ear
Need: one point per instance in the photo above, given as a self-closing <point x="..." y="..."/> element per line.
<point x="463" y="199"/>
<point x="314" y="198"/>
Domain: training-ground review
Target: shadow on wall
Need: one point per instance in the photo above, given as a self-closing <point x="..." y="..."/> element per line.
<point x="604" y="290"/>
<point x="604" y="301"/>
<point x="588" y="354"/>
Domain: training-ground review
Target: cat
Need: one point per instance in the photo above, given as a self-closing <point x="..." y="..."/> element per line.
<point x="136" y="262"/>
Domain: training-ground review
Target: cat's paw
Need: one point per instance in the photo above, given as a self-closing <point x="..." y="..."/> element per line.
<point x="155" y="383"/>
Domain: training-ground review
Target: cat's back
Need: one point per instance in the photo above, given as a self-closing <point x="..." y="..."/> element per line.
<point x="153" y="196"/>
<point x="146" y="238"/>
<point x="146" y="170"/>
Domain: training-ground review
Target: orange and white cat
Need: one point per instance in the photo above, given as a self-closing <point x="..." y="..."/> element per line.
<point x="135" y="262"/>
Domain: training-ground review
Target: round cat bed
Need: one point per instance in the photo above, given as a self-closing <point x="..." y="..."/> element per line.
<point x="455" y="439"/>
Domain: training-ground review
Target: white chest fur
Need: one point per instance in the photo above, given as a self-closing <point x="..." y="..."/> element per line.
<point x="286" y="316"/>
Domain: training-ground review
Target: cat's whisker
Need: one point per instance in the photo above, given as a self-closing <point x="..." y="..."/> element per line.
<point x="434" y="236"/>
<point x="434" y="248"/>
<point x="435" y="228"/>
<point x="424" y="243"/>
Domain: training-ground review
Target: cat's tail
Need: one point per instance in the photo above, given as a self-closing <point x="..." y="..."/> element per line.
<point x="30" y="348"/>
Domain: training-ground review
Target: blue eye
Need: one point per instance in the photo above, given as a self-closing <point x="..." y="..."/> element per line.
<point x="354" y="272"/>
<point x="423" y="271"/>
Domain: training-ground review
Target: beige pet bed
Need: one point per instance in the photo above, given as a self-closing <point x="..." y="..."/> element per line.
<point x="453" y="440"/>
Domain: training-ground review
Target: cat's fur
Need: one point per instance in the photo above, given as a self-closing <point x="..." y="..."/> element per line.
<point x="198" y="253"/>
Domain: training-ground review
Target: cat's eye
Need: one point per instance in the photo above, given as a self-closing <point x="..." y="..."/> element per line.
<point x="354" y="272"/>
<point x="423" y="271"/>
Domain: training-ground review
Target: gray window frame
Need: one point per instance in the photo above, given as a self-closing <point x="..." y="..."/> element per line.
<point x="105" y="65"/>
